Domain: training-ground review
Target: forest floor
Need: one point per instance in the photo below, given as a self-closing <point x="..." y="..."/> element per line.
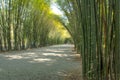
<point x="46" y="63"/>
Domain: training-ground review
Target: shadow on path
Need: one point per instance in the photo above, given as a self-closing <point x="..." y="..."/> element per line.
<point x="47" y="63"/>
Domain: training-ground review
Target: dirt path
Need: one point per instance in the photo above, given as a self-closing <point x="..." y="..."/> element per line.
<point x="47" y="63"/>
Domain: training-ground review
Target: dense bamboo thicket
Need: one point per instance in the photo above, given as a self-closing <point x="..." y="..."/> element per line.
<point x="95" y="28"/>
<point x="26" y="24"/>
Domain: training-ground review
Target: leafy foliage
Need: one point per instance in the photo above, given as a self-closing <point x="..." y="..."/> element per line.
<point x="26" y="24"/>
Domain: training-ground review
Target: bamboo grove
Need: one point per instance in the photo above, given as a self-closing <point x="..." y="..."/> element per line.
<point x="26" y="24"/>
<point x="95" y="28"/>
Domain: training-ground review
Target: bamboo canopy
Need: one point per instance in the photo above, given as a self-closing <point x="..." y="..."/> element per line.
<point x="28" y="24"/>
<point x="94" y="26"/>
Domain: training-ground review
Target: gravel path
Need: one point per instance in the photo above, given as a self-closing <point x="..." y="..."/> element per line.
<point x="47" y="63"/>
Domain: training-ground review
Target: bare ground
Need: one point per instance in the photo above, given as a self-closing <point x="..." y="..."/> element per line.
<point x="47" y="63"/>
